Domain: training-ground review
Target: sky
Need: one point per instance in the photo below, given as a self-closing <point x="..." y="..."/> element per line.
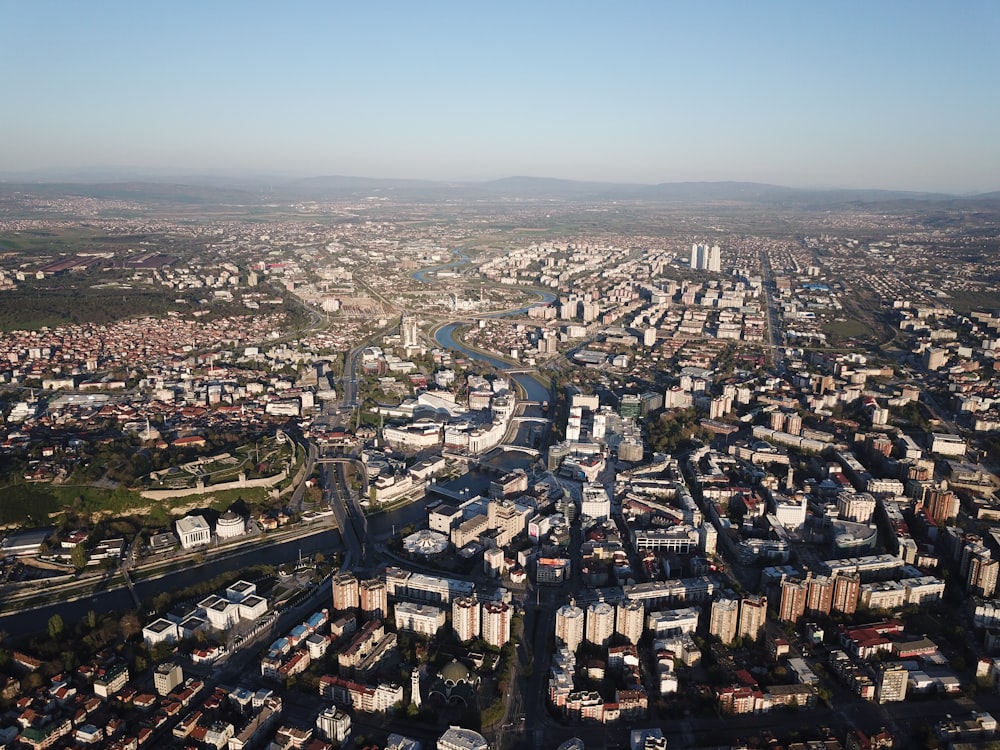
<point x="876" y="94"/>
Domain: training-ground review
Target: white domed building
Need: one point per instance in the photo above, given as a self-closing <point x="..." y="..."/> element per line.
<point x="426" y="543"/>
<point x="230" y="524"/>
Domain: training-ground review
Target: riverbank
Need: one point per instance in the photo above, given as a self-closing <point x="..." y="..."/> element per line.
<point x="146" y="575"/>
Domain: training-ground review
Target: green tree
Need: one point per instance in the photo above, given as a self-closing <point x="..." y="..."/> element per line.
<point x="55" y="626"/>
<point x="79" y="557"/>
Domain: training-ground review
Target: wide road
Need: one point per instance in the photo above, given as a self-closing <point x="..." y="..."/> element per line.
<point x="773" y="326"/>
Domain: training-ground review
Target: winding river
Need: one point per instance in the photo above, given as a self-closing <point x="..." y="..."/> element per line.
<point x="23" y="623"/>
<point x="445" y="336"/>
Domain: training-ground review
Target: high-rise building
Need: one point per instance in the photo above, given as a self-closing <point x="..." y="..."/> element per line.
<point x="373" y="599"/>
<point x="569" y="626"/>
<point x="600" y="623"/>
<point x="858" y="507"/>
<point x="753" y="615"/>
<point x="714" y="262"/>
<point x="628" y="620"/>
<point x="794" y="596"/>
<point x="465" y="618"/>
<point x="495" y="625"/>
<point x="820" y="596"/>
<point x="846" y="592"/>
<point x="982" y="577"/>
<point x="890" y="685"/>
<point x="409" y="332"/>
<point x="705" y="258"/>
<point x="725" y="618"/>
<point x="345" y="591"/>
<point x="941" y="505"/>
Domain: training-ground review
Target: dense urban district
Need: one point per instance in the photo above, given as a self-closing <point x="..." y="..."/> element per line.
<point x="538" y="470"/>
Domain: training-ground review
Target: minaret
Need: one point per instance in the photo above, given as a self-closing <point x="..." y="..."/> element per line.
<point x="790" y="480"/>
<point x="415" y="687"/>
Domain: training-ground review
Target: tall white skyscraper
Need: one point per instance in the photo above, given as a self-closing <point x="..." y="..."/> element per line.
<point x="714" y="262"/>
<point x="569" y="626"/>
<point x="725" y="618"/>
<point x="629" y="619"/>
<point x="409" y="332"/>
<point x="465" y="618"/>
<point x="495" y="626"/>
<point x="705" y="258"/>
<point x="696" y="254"/>
<point x="600" y="623"/>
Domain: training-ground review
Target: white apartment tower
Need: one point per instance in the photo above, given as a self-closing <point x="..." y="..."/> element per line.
<point x="705" y="258"/>
<point x="409" y="332"/>
<point x="753" y="615"/>
<point x="600" y="623"/>
<point x="725" y="618"/>
<point x="569" y="626"/>
<point x="465" y="618"/>
<point x="496" y="623"/>
<point x="628" y="620"/>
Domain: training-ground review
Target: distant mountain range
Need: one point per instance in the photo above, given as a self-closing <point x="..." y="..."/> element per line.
<point x="258" y="187"/>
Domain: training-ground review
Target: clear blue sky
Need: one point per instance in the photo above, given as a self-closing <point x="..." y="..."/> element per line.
<point x="882" y="93"/>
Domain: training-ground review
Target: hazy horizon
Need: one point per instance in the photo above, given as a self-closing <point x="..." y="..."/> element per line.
<point x="891" y="96"/>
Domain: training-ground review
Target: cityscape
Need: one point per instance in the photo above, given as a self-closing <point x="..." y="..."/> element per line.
<point x="499" y="376"/>
<point x="402" y="473"/>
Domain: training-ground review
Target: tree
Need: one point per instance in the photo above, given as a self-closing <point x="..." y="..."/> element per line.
<point x="79" y="557"/>
<point x="129" y="625"/>
<point x="55" y="626"/>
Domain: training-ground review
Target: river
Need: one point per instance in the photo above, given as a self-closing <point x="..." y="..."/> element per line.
<point x="24" y="623"/>
<point x="19" y="624"/>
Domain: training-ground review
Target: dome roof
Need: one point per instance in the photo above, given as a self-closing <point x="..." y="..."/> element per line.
<point x="454" y="672"/>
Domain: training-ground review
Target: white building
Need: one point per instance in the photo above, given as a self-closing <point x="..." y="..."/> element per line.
<point x="229" y="525"/>
<point x="790" y="511"/>
<point x="193" y="531"/>
<point x="221" y="613"/>
<point x="495" y="623"/>
<point x="334" y="724"/>
<point x="465" y="618"/>
<point x="595" y="502"/>
<point x="569" y="626"/>
<point x="160" y="631"/>
<point x="600" y="623"/>
<point x="166" y="677"/>
<point x="419" y="618"/>
<point x="673" y="621"/>
<point x="628" y="620"/>
<point x="457" y="738"/>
